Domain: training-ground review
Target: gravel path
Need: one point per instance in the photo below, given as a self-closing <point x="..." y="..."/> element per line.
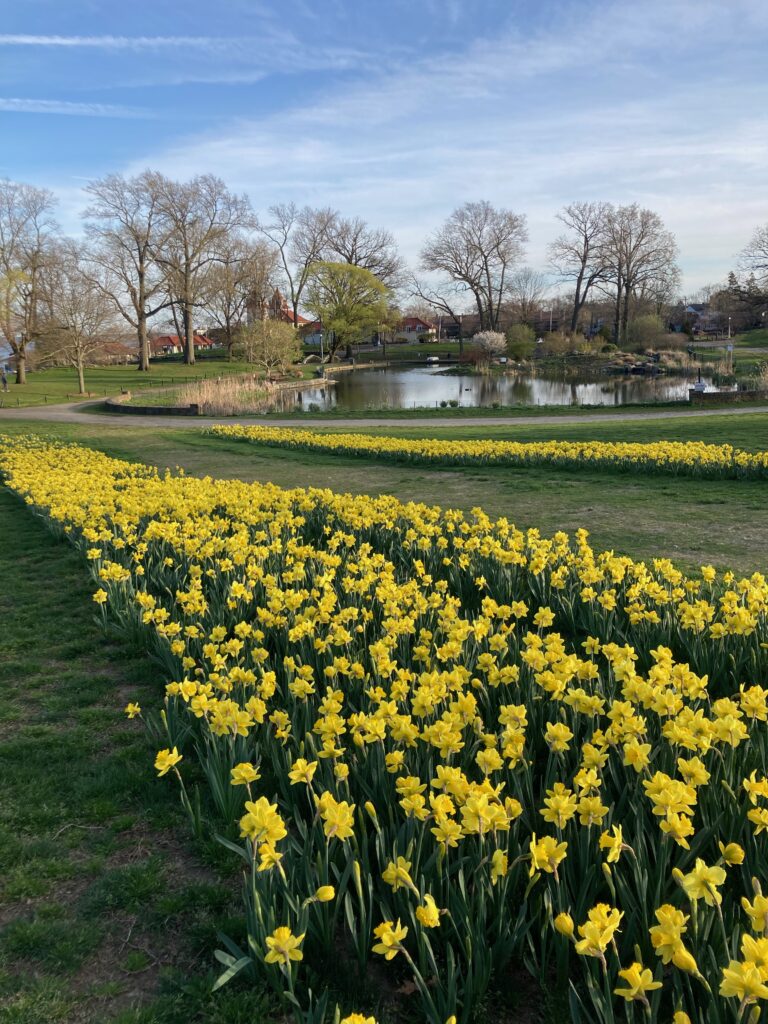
<point x="77" y="413"/>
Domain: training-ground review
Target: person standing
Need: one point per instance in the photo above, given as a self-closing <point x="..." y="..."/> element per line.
<point x="3" y="378"/>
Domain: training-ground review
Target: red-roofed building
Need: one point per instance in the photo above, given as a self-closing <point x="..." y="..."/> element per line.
<point x="413" y="328"/>
<point x="169" y="344"/>
<point x="278" y="308"/>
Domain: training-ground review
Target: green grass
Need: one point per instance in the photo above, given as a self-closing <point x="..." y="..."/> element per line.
<point x="407" y="351"/>
<point x="107" y="911"/>
<point x="60" y="384"/>
<point x="751" y="339"/>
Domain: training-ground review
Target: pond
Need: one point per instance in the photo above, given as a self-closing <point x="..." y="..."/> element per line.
<point x="430" y="386"/>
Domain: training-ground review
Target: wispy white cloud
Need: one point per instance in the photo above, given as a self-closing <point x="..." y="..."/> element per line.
<point x="274" y="48"/>
<point x="16" y="105"/>
<point x="598" y="105"/>
<point x="110" y="42"/>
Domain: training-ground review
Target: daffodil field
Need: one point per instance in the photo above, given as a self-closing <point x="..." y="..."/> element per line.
<point x="441" y="745"/>
<point x="681" y="458"/>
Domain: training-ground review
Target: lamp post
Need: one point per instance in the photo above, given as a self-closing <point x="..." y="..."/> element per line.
<point x="322" y="357"/>
<point x="729" y="328"/>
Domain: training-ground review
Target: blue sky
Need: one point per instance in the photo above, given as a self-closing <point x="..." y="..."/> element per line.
<point x="400" y="110"/>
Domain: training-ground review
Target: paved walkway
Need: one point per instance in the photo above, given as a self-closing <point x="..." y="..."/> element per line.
<point x="78" y="413"/>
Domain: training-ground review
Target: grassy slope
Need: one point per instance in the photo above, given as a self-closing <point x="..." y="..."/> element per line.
<point x="693" y="521"/>
<point x="60" y="385"/>
<point x="100" y="896"/>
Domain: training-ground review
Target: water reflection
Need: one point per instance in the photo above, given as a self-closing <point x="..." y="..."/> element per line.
<point x="420" y="387"/>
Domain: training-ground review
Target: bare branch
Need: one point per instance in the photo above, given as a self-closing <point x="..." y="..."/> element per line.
<point x="476" y="249"/>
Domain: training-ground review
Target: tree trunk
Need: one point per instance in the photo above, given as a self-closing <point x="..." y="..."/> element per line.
<point x="189" y="335"/>
<point x="578" y="302"/>
<point x="481" y="314"/>
<point x="575" y="317"/>
<point x="80" y="376"/>
<point x="625" y="314"/>
<point x="617" y="312"/>
<point x="229" y="339"/>
<point x="21" y="366"/>
<point x="143" y="344"/>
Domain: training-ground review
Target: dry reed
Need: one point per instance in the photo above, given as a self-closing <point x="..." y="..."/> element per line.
<point x="227" y="396"/>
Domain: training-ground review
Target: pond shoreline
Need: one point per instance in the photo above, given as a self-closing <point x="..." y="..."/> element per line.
<point x="358" y="390"/>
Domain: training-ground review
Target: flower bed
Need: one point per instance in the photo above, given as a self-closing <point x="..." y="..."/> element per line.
<point x="683" y="458"/>
<point x="443" y="743"/>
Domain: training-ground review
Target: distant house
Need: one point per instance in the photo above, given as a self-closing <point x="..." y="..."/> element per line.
<point x="171" y="344"/>
<point x="115" y="353"/>
<point x="311" y="331"/>
<point x="413" y="328"/>
<point x="541" y="323"/>
<point x="700" y="318"/>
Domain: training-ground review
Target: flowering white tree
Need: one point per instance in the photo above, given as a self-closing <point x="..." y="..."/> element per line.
<point x="489" y="345"/>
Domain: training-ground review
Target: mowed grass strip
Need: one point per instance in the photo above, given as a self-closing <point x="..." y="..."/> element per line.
<point x="107" y="912"/>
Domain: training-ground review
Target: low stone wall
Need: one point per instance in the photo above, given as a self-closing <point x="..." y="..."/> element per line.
<point x="116" y="405"/>
<point x="330" y="368"/>
<point x="302" y="385"/>
<point x="726" y="397"/>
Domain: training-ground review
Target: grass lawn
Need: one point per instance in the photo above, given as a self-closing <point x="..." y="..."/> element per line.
<point x="107" y="911"/>
<point x="403" y="350"/>
<point x="692" y="521"/>
<point x="751" y="339"/>
<point x="60" y="384"/>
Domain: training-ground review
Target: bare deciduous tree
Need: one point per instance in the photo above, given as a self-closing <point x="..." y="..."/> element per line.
<point x="197" y="217"/>
<point x="124" y="228"/>
<point x="301" y="238"/>
<point x="27" y="238"/>
<point x="527" y="288"/>
<point x="754" y="257"/>
<point x="476" y="249"/>
<point x="242" y="275"/>
<point x="641" y="252"/>
<point x="77" y="315"/>
<point x="580" y="255"/>
<point x="446" y="302"/>
<point x="353" y="241"/>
